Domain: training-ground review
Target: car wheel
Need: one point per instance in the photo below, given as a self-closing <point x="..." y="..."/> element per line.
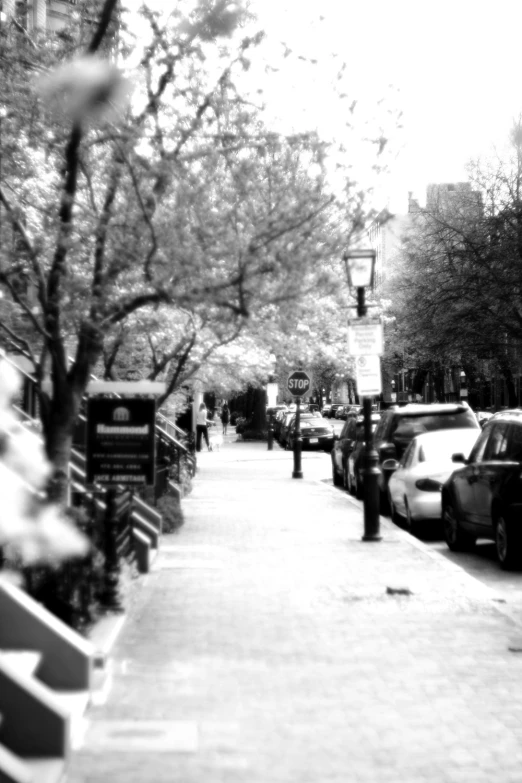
<point x="359" y="491"/>
<point x="349" y="483"/>
<point x="335" y="477"/>
<point x="456" y="538"/>
<point x="507" y="541"/>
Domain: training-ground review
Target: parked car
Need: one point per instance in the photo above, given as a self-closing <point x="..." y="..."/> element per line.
<point x="316" y="432"/>
<point x="282" y="429"/>
<point x="398" y="426"/>
<point x="326" y="410"/>
<point x="414" y="488"/>
<point x="483" y="417"/>
<point x="333" y="409"/>
<point x="272" y="412"/>
<point x="351" y="433"/>
<point x="483" y="498"/>
<point x="353" y="481"/>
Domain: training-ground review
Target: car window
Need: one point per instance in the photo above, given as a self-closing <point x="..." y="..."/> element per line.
<point x="496" y="447"/>
<point x="477" y="452"/>
<point x="407" y="457"/>
<point x="381" y="427"/>
<point x="344" y="431"/>
<point x="514" y="439"/>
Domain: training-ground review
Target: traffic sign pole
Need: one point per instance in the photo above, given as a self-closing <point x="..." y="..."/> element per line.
<point x="298" y="384"/>
<point x="298" y="443"/>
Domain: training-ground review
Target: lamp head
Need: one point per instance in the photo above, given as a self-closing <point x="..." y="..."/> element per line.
<point x="360" y="267"/>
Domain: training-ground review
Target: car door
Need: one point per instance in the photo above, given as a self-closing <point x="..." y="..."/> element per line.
<point x="488" y="473"/>
<point x="340" y="446"/>
<point x="355" y="453"/>
<point x="463" y="480"/>
<point x="398" y="480"/>
<point x="338" y="449"/>
<point x="348" y="442"/>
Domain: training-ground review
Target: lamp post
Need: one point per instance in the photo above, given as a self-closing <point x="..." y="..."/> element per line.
<point x="360" y="265"/>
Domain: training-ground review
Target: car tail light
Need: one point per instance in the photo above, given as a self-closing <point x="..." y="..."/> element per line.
<point x="428" y="485"/>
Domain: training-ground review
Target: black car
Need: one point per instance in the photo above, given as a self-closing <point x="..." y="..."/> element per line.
<point x="398" y="426"/>
<point x="333" y="409"/>
<point x="316" y="433"/>
<point x="354" y="465"/>
<point x="352" y="435"/>
<point x="483" y="499"/>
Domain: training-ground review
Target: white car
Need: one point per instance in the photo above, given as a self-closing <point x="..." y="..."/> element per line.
<point x="414" y="488"/>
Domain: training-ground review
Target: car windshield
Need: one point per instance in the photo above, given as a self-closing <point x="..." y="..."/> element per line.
<point x="409" y="426"/>
<point x="312" y="423"/>
<point x="440" y="449"/>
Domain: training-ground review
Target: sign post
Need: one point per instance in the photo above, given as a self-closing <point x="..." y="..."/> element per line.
<point x="120" y="449"/>
<point x="366" y="345"/>
<point x="298" y="384"/>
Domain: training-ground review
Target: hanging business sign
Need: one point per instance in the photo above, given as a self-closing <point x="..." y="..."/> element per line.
<point x="120" y="441"/>
<point x="368" y="376"/>
<point x="365" y="337"/>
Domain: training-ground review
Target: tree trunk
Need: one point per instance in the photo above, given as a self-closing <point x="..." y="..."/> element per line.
<point x="259" y="410"/>
<point x="60" y="424"/>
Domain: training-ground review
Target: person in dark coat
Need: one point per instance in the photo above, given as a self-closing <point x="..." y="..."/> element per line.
<point x="225" y="417"/>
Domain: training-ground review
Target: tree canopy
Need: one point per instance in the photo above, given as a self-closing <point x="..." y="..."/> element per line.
<point x="157" y="213"/>
<point x="456" y="289"/>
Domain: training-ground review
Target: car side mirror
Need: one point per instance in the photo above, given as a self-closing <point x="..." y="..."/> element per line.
<point x="389" y="465"/>
<point x="459" y="458"/>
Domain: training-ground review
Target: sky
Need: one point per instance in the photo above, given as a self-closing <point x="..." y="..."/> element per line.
<point x="453" y="68"/>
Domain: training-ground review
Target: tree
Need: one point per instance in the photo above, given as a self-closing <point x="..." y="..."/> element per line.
<point x="456" y="292"/>
<point x="181" y="199"/>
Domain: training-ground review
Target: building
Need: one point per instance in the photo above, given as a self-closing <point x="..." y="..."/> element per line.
<point x="50" y="15"/>
<point x="386" y="234"/>
<point x="454" y="199"/>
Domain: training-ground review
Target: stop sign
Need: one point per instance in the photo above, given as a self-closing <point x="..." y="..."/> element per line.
<point x="299" y="383"/>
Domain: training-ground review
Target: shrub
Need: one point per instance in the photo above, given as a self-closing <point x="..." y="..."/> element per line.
<point x="241" y="424"/>
<point x="254" y="435"/>
<point x="170" y="509"/>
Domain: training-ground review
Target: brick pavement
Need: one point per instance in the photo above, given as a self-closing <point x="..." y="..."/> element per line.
<point x="264" y="647"/>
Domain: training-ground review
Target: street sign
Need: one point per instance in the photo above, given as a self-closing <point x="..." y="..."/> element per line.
<point x="365" y="337"/>
<point x="127" y="388"/>
<point x="120" y="441"/>
<point x="368" y="376"/>
<point x="299" y="383"/>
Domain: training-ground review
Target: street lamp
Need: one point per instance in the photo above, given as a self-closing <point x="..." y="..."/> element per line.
<point x="360" y="267"/>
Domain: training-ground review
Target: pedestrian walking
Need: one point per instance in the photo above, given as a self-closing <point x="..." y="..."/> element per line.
<point x="202" y="422"/>
<point x="225" y="417"/>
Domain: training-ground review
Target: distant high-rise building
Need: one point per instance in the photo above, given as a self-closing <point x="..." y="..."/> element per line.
<point x="454" y="198"/>
<point x="386" y="234"/>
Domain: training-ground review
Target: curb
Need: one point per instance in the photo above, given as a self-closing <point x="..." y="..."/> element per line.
<point x="103" y="636"/>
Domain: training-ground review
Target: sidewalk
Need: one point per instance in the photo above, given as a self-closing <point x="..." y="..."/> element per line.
<point x="270" y="645"/>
